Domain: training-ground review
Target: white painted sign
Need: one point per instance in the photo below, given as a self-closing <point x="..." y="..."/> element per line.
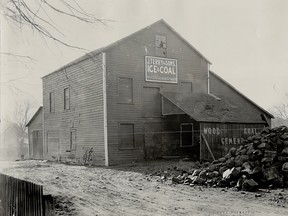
<point x="161" y="69"/>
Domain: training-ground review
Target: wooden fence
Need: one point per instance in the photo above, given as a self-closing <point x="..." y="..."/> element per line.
<point x="19" y="197"/>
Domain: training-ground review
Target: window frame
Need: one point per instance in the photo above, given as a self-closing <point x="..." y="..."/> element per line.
<point x="118" y="90"/>
<point x="192" y="134"/>
<point x="186" y="82"/>
<point x="66" y="105"/>
<point x="161" y="35"/>
<point x="50" y="102"/>
<point x="161" y="51"/>
<point x="120" y="137"/>
<point x="70" y="140"/>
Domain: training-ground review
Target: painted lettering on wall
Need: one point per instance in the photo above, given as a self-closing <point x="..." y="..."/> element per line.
<point x="161" y="69"/>
<point x="226" y="135"/>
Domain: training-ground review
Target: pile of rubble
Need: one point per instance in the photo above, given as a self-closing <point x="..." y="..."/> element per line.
<point x="260" y="162"/>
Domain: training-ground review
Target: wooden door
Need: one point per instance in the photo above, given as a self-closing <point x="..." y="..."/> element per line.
<point x="37" y="143"/>
<point x="153" y="140"/>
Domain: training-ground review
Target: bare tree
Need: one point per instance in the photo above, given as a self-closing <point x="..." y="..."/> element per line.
<point x="281" y="115"/>
<point x="22" y="114"/>
<point x="38" y="15"/>
<point x="282" y="111"/>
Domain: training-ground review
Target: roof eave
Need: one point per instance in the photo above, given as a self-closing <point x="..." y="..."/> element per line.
<point x="231" y="86"/>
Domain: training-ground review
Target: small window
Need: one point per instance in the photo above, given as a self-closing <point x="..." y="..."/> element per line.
<point x="126" y="136"/>
<point x="160" y="45"/>
<point x="51" y="102"/>
<point x="186" y="135"/>
<point x="186" y="87"/>
<point x="161" y="41"/>
<point x="66" y="99"/>
<point x="125" y="90"/>
<point x="72" y="140"/>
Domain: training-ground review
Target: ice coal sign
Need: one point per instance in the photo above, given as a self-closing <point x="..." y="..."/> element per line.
<point x="161" y="69"/>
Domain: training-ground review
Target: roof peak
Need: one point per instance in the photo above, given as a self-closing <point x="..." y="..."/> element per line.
<point x="111" y="45"/>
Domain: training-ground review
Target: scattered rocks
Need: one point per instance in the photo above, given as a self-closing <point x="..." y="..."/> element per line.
<point x="260" y="161"/>
<point x="250" y="185"/>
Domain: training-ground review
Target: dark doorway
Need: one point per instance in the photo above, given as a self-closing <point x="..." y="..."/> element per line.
<point x="187" y="137"/>
<point x="153" y="140"/>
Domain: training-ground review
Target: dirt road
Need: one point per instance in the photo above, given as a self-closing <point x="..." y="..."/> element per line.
<point x="130" y="190"/>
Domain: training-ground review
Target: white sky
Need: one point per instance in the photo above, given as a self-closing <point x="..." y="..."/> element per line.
<point x="246" y="41"/>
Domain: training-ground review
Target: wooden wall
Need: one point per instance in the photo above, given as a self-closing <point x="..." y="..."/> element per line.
<point x="223" y="136"/>
<point x="36" y="126"/>
<point x="19" y="197"/>
<point x="127" y="60"/>
<point x="85" y="116"/>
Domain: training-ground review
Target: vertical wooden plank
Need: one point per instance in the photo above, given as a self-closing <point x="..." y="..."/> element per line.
<point x="17" y="197"/>
<point x="38" y="200"/>
<point x="1" y="195"/>
<point x="41" y="201"/>
<point x="32" y="200"/>
<point x="9" y="195"/>
<point x="13" y="196"/>
<point x="35" y="204"/>
<point x="25" y="198"/>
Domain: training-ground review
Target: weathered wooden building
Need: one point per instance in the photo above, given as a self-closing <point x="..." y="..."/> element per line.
<point x="145" y="96"/>
<point x="35" y="135"/>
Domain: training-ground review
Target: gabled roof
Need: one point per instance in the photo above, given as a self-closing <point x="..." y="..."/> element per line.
<point x="207" y="108"/>
<point x="117" y="43"/>
<point x="35" y="116"/>
<point x="246" y="98"/>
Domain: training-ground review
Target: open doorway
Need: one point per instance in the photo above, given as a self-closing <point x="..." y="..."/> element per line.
<point x="186" y="135"/>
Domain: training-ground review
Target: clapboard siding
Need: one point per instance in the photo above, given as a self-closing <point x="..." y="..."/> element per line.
<point x="35" y="125"/>
<point x="85" y="116"/>
<point x="127" y="60"/>
<point x="220" y="88"/>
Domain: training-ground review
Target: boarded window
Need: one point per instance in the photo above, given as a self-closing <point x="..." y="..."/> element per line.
<point x="51" y="102"/>
<point x="125" y="90"/>
<point x="126" y="136"/>
<point x="52" y="141"/>
<point x="66" y="98"/>
<point x="186" y="87"/>
<point x="186" y="135"/>
<point x="72" y="140"/>
<point x="152" y="102"/>
<point x="160" y="45"/>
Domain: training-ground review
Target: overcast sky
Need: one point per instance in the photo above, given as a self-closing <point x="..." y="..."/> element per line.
<point x="246" y="41"/>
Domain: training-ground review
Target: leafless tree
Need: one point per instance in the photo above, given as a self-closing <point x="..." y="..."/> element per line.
<point x="281" y="115"/>
<point x="282" y="111"/>
<point x="38" y="15"/>
<point x="22" y="114"/>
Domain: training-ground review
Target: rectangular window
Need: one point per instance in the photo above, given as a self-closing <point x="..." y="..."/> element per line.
<point x="51" y="102"/>
<point x="161" y="41"/>
<point x="186" y="87"/>
<point x="186" y="135"/>
<point x="66" y="99"/>
<point x="125" y="90"/>
<point x="126" y="136"/>
<point x="160" y="45"/>
<point x="72" y="140"/>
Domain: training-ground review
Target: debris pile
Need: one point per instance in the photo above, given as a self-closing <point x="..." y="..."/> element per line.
<point x="260" y="162"/>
